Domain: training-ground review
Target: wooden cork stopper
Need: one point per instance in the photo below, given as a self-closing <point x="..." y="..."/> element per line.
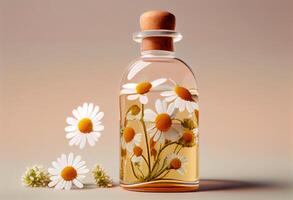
<point x="155" y="20"/>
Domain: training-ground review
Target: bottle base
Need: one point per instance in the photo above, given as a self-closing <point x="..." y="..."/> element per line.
<point x="162" y="186"/>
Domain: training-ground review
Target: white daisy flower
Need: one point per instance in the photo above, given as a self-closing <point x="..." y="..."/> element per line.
<point x="182" y="98"/>
<point x="137" y="155"/>
<point x="177" y="162"/>
<point x="161" y="122"/>
<point x="67" y="171"/>
<point x="84" y="126"/>
<point x="130" y="139"/>
<point x="189" y="138"/>
<point x="140" y="90"/>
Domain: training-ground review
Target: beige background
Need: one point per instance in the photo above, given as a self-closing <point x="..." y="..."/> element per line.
<point x="55" y="55"/>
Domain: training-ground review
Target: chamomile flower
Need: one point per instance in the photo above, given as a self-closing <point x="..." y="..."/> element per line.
<point x="140" y="90"/>
<point x="177" y="162"/>
<point x="189" y="138"/>
<point x="134" y="113"/>
<point x="130" y="139"/>
<point x="137" y="155"/>
<point x="67" y="171"/>
<point x="85" y="126"/>
<point x="182" y="98"/>
<point x="162" y="128"/>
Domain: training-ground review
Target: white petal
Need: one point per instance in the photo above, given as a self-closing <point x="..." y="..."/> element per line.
<point x="75" y="140"/>
<point x="170" y="98"/>
<point x="149" y="115"/>
<point x="59" y="185"/>
<point x="137" y="138"/>
<point x="96" y="135"/>
<point x="161" y="138"/>
<point x="71" y="121"/>
<point x="136" y="67"/>
<point x="98" y="128"/>
<point x="157" y="82"/>
<point x="90" y="139"/>
<point x="85" y="109"/>
<point x="177" y="103"/>
<point x="143" y="99"/>
<point x="53" y="182"/>
<point x="171" y="108"/>
<point x="127" y="91"/>
<point x="78" y="165"/>
<point x="95" y="111"/>
<point x="129" y="85"/>
<point x="56" y="165"/>
<point x="90" y="109"/>
<point x="82" y="142"/>
<point x="167" y="93"/>
<point x="83" y="171"/>
<point x="180" y="170"/>
<point x="189" y="107"/>
<point x="181" y="106"/>
<point x="99" y="116"/>
<point x="76" y="114"/>
<point x="80" y="111"/>
<point x="70" y="128"/>
<point x="194" y="106"/>
<point x="77" y="183"/>
<point x="76" y="160"/>
<point x="70" y="159"/>
<point x="64" y="159"/>
<point x="153" y="132"/>
<point x="136" y="159"/>
<point x="157" y="136"/>
<point x="71" y="134"/>
<point x="133" y="96"/>
<point x="159" y="106"/>
<point x="164" y="104"/>
<point x="53" y="171"/>
<point x="55" y="177"/>
<point x="68" y="185"/>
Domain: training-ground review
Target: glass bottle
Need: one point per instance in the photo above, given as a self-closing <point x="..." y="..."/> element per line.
<point x="158" y="113"/>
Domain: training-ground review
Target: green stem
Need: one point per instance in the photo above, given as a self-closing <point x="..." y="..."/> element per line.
<point x="133" y="171"/>
<point x="146" y="138"/>
<point x="163" y="175"/>
<point x="179" y="149"/>
<point x="159" y="153"/>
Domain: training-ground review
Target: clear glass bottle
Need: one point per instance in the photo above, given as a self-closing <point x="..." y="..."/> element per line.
<point x="159" y="120"/>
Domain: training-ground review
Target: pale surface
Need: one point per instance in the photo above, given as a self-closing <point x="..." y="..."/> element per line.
<point x="55" y="55"/>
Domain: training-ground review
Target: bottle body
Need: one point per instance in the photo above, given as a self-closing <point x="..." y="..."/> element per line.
<point x="159" y="125"/>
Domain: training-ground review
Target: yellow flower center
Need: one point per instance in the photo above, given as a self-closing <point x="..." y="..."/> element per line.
<point x="128" y="134"/>
<point x="137" y="151"/>
<point x="143" y="87"/>
<point x="68" y="173"/>
<point x="175" y="163"/>
<point x="183" y="93"/>
<point x="134" y="110"/>
<point x="85" y="125"/>
<point x="163" y="122"/>
<point x="187" y="137"/>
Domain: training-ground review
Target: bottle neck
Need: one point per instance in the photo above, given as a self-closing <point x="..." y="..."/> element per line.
<point x="158" y="53"/>
<point x="157" y="43"/>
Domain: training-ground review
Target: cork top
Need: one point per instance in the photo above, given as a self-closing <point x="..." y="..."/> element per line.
<point x="153" y="20"/>
<point x="157" y="20"/>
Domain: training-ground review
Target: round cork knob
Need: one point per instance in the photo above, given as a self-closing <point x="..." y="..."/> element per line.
<point x="156" y="19"/>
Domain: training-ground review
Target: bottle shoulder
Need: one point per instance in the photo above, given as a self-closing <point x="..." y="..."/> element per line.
<point x="149" y="68"/>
